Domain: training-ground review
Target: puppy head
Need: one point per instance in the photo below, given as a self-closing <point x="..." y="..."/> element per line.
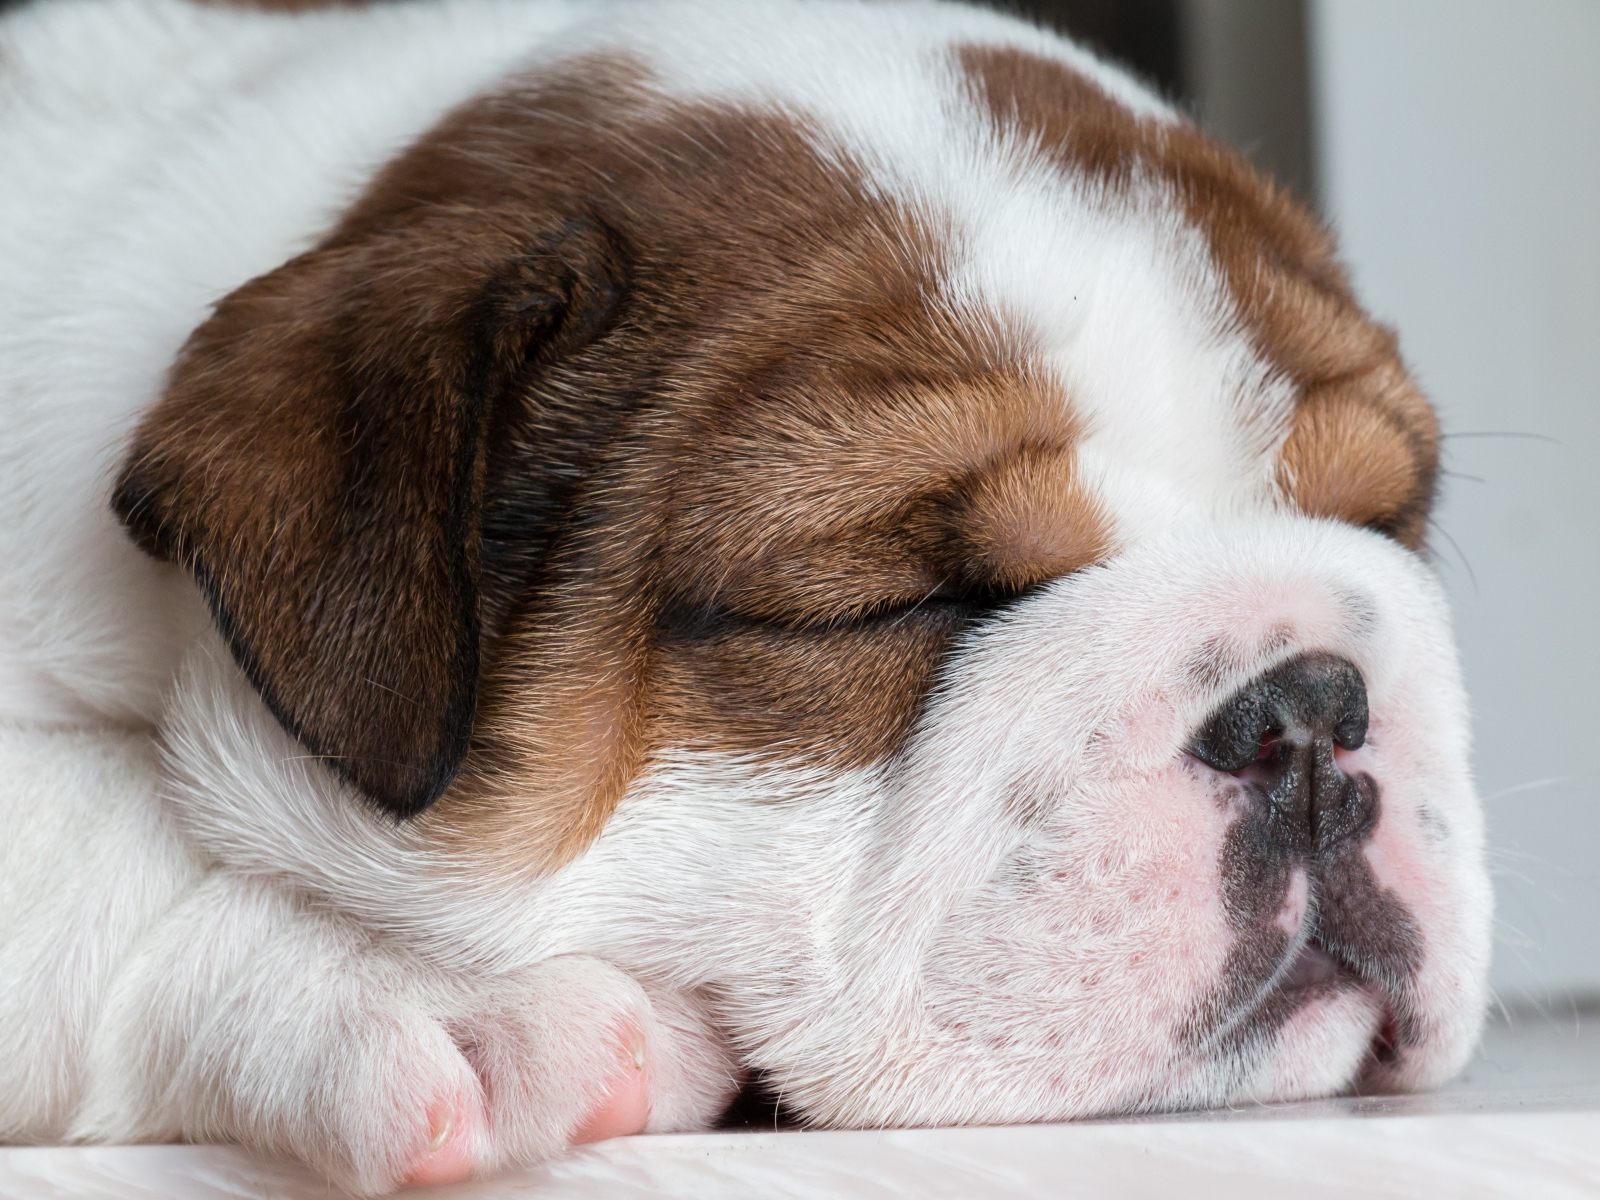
<point x="958" y="513"/>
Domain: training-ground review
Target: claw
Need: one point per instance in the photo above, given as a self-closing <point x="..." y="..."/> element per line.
<point x="447" y="1158"/>
<point x="626" y="1107"/>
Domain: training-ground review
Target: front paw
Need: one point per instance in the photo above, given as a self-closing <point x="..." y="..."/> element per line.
<point x="569" y="1052"/>
<point x="253" y="1021"/>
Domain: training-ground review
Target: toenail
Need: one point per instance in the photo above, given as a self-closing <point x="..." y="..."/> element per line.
<point x="442" y="1133"/>
<point x="447" y="1157"/>
<point x="625" y="1107"/>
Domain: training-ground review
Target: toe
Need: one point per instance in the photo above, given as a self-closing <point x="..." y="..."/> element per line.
<point x="626" y="1107"/>
<point x="447" y="1158"/>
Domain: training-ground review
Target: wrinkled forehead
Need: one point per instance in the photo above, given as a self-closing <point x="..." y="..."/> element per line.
<point x="1043" y="221"/>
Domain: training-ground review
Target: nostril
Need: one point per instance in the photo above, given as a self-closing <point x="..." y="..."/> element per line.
<point x="1240" y="734"/>
<point x="1232" y="751"/>
<point x="1351" y="731"/>
<point x="1233" y="761"/>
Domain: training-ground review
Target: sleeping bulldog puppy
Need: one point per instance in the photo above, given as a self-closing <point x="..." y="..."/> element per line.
<point x="559" y="556"/>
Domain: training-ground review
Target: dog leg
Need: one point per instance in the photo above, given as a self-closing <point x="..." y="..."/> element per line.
<point x="90" y="863"/>
<point x="252" y="1017"/>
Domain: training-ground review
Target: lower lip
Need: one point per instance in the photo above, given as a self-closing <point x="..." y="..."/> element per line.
<point x="1312" y="966"/>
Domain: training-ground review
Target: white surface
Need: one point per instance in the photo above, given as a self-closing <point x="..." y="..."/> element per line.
<point x="1524" y="1121"/>
<point x="1546" y="1155"/>
<point x="1461" y="165"/>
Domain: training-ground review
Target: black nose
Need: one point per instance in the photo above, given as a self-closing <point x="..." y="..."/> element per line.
<point x="1278" y="733"/>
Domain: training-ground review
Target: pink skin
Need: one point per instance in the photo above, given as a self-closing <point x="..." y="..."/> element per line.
<point x="447" y="1158"/>
<point x="625" y="1110"/>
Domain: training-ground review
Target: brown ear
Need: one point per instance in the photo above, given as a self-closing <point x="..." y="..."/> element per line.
<point x="318" y="464"/>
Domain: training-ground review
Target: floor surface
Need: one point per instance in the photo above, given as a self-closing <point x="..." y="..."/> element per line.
<point x="1523" y="1121"/>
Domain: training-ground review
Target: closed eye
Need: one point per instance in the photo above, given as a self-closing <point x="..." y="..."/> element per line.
<point x="947" y="603"/>
<point x="952" y="600"/>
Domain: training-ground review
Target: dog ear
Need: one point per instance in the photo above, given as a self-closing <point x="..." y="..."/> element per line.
<point x="318" y="464"/>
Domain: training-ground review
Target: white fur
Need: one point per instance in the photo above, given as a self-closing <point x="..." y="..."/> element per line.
<point x="208" y="937"/>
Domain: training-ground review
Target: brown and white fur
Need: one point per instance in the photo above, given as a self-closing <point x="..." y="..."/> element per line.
<point x="557" y="554"/>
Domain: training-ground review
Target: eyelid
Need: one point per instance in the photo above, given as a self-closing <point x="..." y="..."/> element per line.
<point x="974" y="603"/>
<point x="949" y="601"/>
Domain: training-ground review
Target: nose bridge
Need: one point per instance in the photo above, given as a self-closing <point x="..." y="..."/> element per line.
<point x="1278" y="734"/>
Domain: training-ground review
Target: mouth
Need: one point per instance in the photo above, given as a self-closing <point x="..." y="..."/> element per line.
<point x="1312" y="967"/>
<point x="1316" y="970"/>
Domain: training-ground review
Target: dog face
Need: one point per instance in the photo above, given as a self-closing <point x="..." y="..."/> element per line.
<point x="913" y="541"/>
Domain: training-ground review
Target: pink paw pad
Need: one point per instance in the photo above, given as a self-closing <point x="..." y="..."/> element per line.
<point x="447" y="1158"/>
<point x="626" y="1107"/>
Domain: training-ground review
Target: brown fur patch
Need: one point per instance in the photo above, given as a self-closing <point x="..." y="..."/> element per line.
<point x="1363" y="446"/>
<point x="774" y="551"/>
<point x="1364" y="450"/>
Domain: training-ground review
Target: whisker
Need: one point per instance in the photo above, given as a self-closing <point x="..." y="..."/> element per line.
<point x="1532" y="437"/>
<point x="392" y="692"/>
<point x="1445" y="533"/>
<point x="1530" y="786"/>
<point x="919" y="603"/>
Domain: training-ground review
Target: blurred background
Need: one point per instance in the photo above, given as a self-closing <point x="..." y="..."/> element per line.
<point x="1454" y="145"/>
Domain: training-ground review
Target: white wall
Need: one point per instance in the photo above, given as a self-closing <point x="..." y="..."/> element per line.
<point x="1460" y="162"/>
